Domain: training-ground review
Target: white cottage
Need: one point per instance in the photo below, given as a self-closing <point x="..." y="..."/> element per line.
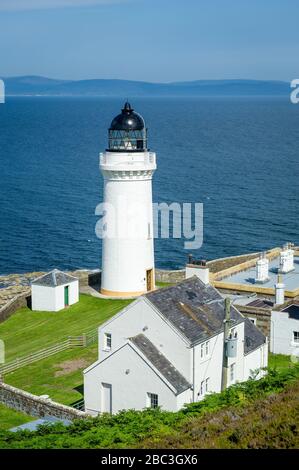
<point x="166" y="349"/>
<point x="285" y="330"/>
<point x="54" y="291"/>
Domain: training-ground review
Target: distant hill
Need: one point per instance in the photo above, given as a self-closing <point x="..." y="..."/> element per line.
<point x="34" y="85"/>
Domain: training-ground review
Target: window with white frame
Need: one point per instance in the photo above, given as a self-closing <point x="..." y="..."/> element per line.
<point x="296" y="336"/>
<point x="202" y="387"/>
<point x="207" y="384"/>
<point x="202" y="350"/>
<point x="207" y="348"/>
<point x="232" y="372"/>
<point x="153" y="400"/>
<point x="107" y="341"/>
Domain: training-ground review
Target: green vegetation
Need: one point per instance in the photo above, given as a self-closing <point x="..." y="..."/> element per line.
<point x="27" y="331"/>
<point x="164" y="284"/>
<point x="253" y="414"/>
<point x="10" y="418"/>
<point x="59" y="376"/>
<point x="279" y="361"/>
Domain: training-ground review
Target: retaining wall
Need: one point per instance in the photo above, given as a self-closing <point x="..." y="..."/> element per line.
<point x="33" y="405"/>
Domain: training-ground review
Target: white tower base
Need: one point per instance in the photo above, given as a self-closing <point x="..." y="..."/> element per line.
<point x="128" y="248"/>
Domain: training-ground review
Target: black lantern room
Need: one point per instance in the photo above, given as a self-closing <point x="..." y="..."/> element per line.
<point x="127" y="132"/>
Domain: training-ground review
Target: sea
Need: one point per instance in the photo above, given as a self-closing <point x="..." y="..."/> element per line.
<point x="237" y="156"/>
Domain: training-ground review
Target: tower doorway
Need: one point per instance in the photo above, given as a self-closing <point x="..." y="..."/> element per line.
<point x="149" y="279"/>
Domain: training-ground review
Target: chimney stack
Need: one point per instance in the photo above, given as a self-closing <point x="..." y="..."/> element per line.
<point x="262" y="269"/>
<point x="279" y="291"/>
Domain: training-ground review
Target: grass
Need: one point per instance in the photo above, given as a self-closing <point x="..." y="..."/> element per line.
<point x="279" y="361"/>
<point x="27" y="331"/>
<point x="51" y="377"/>
<point x="10" y="418"/>
<point x="164" y="284"/>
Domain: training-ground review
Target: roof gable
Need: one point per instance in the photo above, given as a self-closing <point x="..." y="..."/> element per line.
<point x="161" y="363"/>
<point x="253" y="337"/>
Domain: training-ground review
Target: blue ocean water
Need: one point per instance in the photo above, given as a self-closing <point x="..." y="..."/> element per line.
<point x="238" y="156"/>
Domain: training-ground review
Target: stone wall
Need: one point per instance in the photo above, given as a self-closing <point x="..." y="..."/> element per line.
<point x="162" y="275"/>
<point x="21" y="300"/>
<point x="33" y="405"/>
<point x="262" y="316"/>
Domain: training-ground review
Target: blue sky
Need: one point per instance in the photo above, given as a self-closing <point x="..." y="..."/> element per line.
<point x="151" y="40"/>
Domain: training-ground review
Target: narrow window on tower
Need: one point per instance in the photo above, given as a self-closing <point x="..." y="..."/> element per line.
<point x="148" y="230"/>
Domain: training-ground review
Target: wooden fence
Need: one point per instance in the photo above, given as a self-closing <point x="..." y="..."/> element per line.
<point x="71" y="342"/>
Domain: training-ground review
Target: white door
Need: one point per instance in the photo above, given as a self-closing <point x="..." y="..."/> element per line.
<point x="106" y="398"/>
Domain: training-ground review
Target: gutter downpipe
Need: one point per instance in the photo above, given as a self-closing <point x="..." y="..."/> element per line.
<point x="193" y="398"/>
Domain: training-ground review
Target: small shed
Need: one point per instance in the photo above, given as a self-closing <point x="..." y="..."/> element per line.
<point x="54" y="291"/>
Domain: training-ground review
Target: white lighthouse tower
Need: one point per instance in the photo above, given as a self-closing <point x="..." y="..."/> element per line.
<point x="128" y="248"/>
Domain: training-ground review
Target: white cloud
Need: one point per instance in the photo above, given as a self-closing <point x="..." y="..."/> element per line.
<point x="16" y="5"/>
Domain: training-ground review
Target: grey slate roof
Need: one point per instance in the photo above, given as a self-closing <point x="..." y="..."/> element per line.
<point x="161" y="363"/>
<point x="261" y="303"/>
<point x="53" y="279"/>
<point x="253" y="337"/>
<point x="197" y="310"/>
<point x="293" y="311"/>
<point x="194" y="308"/>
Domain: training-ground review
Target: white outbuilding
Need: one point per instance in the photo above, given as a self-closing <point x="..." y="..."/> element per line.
<point x="54" y="291"/>
<point x="285" y="330"/>
<point x="167" y="348"/>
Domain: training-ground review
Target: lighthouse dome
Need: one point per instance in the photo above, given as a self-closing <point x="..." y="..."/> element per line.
<point x="128" y="120"/>
<point x="127" y="132"/>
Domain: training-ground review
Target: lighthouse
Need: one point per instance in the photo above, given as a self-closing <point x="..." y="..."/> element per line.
<point x="127" y="167"/>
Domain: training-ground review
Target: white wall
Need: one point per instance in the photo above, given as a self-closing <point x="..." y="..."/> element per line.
<point x="202" y="272"/>
<point x="73" y="294"/>
<point x="51" y="299"/>
<point x="133" y="320"/>
<point x="129" y="390"/>
<point x="257" y="359"/>
<point x="282" y="328"/>
<point x="43" y="298"/>
<point x="211" y="366"/>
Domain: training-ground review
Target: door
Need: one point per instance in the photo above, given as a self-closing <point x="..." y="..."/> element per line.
<point x="106" y="398"/>
<point x="66" y="296"/>
<point x="149" y="280"/>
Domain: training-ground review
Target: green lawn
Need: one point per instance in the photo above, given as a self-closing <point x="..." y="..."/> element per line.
<point x="164" y="284"/>
<point x="10" y="418"/>
<point x="279" y="361"/>
<point x="59" y="376"/>
<point x="27" y="331"/>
